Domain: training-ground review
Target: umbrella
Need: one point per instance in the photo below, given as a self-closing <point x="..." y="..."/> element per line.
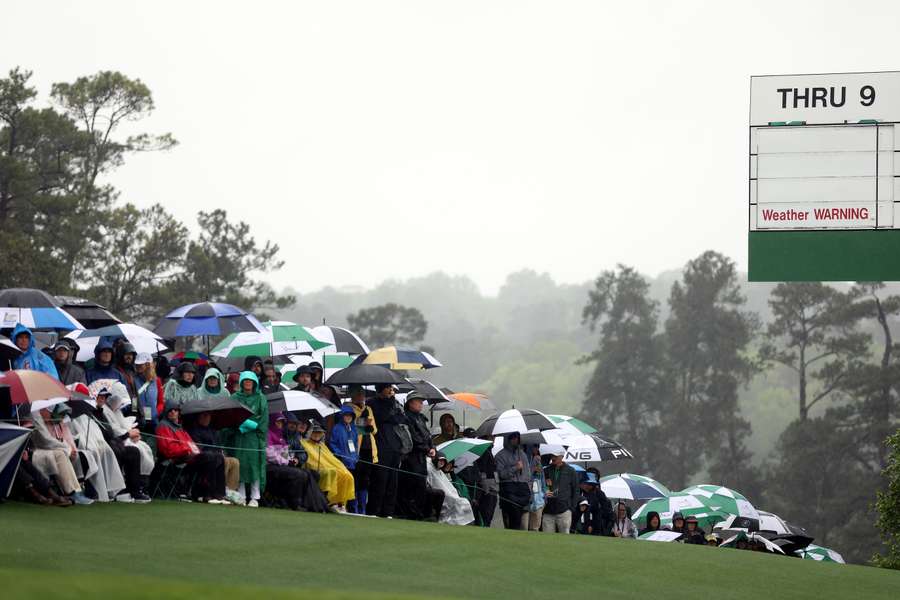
<point x="432" y="394"/>
<point x="472" y="400"/>
<point x="571" y="425"/>
<point x="464" y="451"/>
<point x="90" y="314"/>
<point x="100" y="384"/>
<point x="331" y="363"/>
<point x="278" y="338"/>
<point x="225" y="411"/>
<point x="735" y="523"/>
<point x="8" y="350"/>
<point x="81" y="402"/>
<point x="37" y="405"/>
<point x="775" y="528"/>
<point x="297" y="401"/>
<point x="198" y="358"/>
<point x="548" y="440"/>
<point x="660" y="535"/>
<point x="514" y="420"/>
<point x="38" y="318"/>
<point x="632" y="487"/>
<point x="142" y="339"/>
<point x="31" y="386"/>
<point x="364" y="375"/>
<point x="206" y="318"/>
<point x="27" y="298"/>
<point x="340" y="339"/>
<point x="724" y="499"/>
<point x="751" y="538"/>
<point x="592" y="448"/>
<point x="686" y="504"/>
<point x="399" y="359"/>
<point x="821" y="554"/>
<point x="12" y="440"/>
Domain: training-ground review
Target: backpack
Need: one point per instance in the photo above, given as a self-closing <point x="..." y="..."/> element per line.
<point x="403" y="434"/>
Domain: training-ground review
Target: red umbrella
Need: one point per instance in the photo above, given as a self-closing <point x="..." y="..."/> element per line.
<point x="31" y="386"/>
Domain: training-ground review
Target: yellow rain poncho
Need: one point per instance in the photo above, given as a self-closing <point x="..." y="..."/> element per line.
<point x="334" y="478"/>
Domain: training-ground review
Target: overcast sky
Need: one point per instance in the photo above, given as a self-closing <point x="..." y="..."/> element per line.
<point x="392" y="139"/>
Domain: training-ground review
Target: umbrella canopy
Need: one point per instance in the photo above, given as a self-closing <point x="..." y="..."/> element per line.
<point x="399" y="359"/>
<point x="548" y="440"/>
<point x="464" y="451"/>
<point x="686" y="504"/>
<point x="225" y="411"/>
<point x="90" y="314"/>
<point x="592" y="448"/>
<point x="31" y="386"/>
<point x="8" y="350"/>
<point x="821" y="554"/>
<point x="27" y="298"/>
<point x="724" y="500"/>
<point x="12" y="441"/>
<point x="142" y="339"/>
<point x="331" y="363"/>
<point x="207" y="318"/>
<point x="340" y="340"/>
<point x="297" y="401"/>
<point x="277" y="339"/>
<point x="365" y="375"/>
<point x="514" y="420"/>
<point x="628" y="486"/>
<point x="55" y="319"/>
<point x="660" y="536"/>
<point x="474" y="400"/>
<point x="432" y="393"/>
<point x="571" y="425"/>
<point x="192" y="356"/>
<point x="751" y="538"/>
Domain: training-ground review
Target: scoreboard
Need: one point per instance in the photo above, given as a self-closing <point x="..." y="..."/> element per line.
<point x="824" y="183"/>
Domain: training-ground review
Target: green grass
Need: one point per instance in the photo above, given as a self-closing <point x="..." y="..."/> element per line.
<point x="198" y="551"/>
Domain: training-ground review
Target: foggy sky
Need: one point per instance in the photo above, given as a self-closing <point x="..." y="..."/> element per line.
<point x="392" y="139"/>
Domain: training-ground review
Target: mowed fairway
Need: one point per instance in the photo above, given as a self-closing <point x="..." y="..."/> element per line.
<point x="197" y="551"/>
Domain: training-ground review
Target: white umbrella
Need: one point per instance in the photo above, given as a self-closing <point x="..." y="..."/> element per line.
<point x="143" y="340"/>
<point x="508" y="421"/>
<point x="295" y="400"/>
<point x="660" y="535"/>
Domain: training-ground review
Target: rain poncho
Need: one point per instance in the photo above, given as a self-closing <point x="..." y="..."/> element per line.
<point x="455" y="510"/>
<point x="221" y="392"/>
<point x="180" y="393"/>
<point x="249" y="446"/>
<point x="344" y="439"/>
<point x="32" y="358"/>
<point x="121" y="425"/>
<point x="108" y="480"/>
<point x="334" y="478"/>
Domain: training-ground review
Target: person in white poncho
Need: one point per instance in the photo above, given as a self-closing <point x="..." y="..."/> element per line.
<point x="126" y="427"/>
<point x="455" y="510"/>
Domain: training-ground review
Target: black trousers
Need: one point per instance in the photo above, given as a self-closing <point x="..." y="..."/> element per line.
<point x="129" y="458"/>
<point x="207" y="471"/>
<point x="514" y="498"/>
<point x="487" y="504"/>
<point x="411" y="487"/>
<point x="29" y="476"/>
<point x="383" y="485"/>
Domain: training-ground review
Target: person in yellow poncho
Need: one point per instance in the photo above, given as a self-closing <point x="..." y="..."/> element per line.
<point x="334" y="478"/>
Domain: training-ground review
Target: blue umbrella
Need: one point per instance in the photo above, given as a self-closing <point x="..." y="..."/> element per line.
<point x="36" y="309"/>
<point x="206" y="318"/>
<point x="12" y="440"/>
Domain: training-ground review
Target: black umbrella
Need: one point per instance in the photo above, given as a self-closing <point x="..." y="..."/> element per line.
<point x="365" y="375"/>
<point x="27" y="298"/>
<point x="79" y="407"/>
<point x="225" y="411"/>
<point x="8" y="350"/>
<point x="514" y="420"/>
<point x="90" y="314"/>
<point x="431" y="393"/>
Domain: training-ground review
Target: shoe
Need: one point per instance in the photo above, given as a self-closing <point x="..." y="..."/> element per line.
<point x="141" y="498"/>
<point x="340" y="509"/>
<point x="235" y="498"/>
<point x="80" y="498"/>
<point x="183" y="498"/>
<point x="216" y="501"/>
<point x="124" y="497"/>
<point x="38" y="497"/>
<point x="253" y="504"/>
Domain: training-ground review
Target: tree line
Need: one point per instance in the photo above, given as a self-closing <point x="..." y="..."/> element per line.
<point x="668" y="391"/>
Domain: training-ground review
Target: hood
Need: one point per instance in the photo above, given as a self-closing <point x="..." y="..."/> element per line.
<point x="214" y="372"/>
<point x="250" y="361"/>
<point x="22" y="329"/>
<point x="348" y="409"/>
<point x="123" y="349"/>
<point x="252" y="377"/>
<point x="103" y="344"/>
<point x="508" y="437"/>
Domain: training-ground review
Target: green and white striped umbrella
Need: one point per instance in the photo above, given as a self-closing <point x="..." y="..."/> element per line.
<point x="331" y="362"/>
<point x="570" y="426"/>
<point x="660" y="535"/>
<point x="278" y="339"/>
<point x="628" y="486"/>
<point x="687" y="504"/>
<point x="821" y="554"/>
<point x="464" y="451"/>
<point x="724" y="499"/>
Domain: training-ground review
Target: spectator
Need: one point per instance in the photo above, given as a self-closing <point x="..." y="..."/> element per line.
<point x="31" y="358"/>
<point x="562" y="494"/>
<point x="622" y="526"/>
<point x="149" y="390"/>
<point x="248" y="441"/>
<point x="692" y="532"/>
<point x="205" y="467"/>
<point x="394" y="440"/>
<point x="284" y="481"/>
<point x="677" y="522"/>
<point x="64" y="353"/>
<point x="584" y="523"/>
<point x="254" y="364"/>
<point x="303" y="378"/>
<point x="601" y="508"/>
<point x="124" y="426"/>
<point x="103" y="367"/>
<point x="163" y="371"/>
<point x="53" y="458"/>
<point x="449" y="430"/>
<point x="127" y="454"/>
<point x="368" y="448"/>
<point x="343" y="443"/>
<point x="334" y="478"/>
<point x="207" y="438"/>
<point x="531" y="519"/>
<point x="125" y="356"/>
<point x="515" y="480"/>
<point x="316" y="379"/>
<point x="488" y="489"/>
<point x="181" y="388"/>
<point x="411" y="480"/>
<point x="213" y="385"/>
<point x="454" y="510"/>
<point x="653" y="523"/>
<point x="294" y="437"/>
<point x="30" y="485"/>
<point x="270" y="382"/>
